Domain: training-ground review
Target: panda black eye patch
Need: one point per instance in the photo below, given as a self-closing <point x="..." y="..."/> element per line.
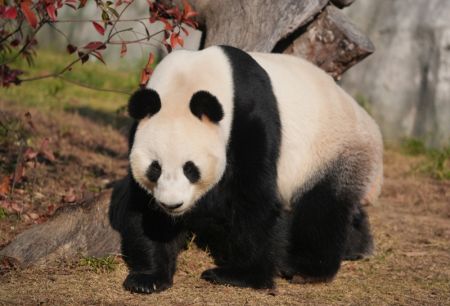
<point x="191" y="172"/>
<point x="154" y="171"/>
<point x="144" y="102"/>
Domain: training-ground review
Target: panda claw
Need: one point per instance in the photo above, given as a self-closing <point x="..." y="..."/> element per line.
<point x="145" y="283"/>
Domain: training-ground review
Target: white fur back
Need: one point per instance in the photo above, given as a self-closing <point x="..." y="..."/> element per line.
<point x="319" y="120"/>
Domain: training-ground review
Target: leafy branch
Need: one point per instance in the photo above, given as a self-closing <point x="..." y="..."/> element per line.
<point x="21" y="21"/>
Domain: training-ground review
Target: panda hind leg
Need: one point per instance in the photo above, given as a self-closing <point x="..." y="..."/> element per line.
<point x="319" y="226"/>
<point x="359" y="242"/>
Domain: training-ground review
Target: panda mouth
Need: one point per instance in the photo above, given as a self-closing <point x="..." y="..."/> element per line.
<point x="173" y="209"/>
<point x="175" y="212"/>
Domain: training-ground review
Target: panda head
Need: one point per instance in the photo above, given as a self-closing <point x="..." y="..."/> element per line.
<point x="179" y="150"/>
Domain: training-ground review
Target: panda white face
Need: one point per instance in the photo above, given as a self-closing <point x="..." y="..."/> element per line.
<point x="178" y="153"/>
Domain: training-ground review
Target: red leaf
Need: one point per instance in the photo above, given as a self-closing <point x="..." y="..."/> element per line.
<point x="167" y="25"/>
<point x="99" y="56"/>
<point x="5" y="186"/>
<point x="173" y="40"/>
<point x="95" y="45"/>
<point x="180" y="40"/>
<point x="51" y="11"/>
<point x="19" y="173"/>
<point x="45" y="151"/>
<point x="123" y="49"/>
<point x="82" y="3"/>
<point x="29" y="154"/>
<point x="71" y="48"/>
<point x="51" y="209"/>
<point x="145" y="77"/>
<point x="29" y="15"/>
<point x="188" y="11"/>
<point x="150" y="61"/>
<point x="99" y="28"/>
<point x="70" y="196"/>
<point x="10" y="12"/>
<point x="83" y="56"/>
<point x="15" y="43"/>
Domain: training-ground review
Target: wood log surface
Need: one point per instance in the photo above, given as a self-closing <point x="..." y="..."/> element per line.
<point x="75" y="231"/>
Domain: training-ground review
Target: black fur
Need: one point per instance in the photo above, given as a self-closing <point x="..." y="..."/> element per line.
<point x="240" y="220"/>
<point x="191" y="172"/>
<point x="154" y="171"/>
<point x="204" y="103"/>
<point x="144" y="102"/>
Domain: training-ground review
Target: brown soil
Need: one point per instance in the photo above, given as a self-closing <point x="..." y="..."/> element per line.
<point x="411" y="225"/>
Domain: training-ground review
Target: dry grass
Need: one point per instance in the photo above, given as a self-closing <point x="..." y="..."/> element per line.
<point x="411" y="264"/>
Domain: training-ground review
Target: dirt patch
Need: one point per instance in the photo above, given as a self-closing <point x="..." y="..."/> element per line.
<point x="87" y="157"/>
<point x="411" y="225"/>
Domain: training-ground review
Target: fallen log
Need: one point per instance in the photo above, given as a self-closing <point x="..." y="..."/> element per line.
<point x="75" y="231"/>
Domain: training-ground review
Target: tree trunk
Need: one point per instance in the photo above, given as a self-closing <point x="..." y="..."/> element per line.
<point x="332" y="43"/>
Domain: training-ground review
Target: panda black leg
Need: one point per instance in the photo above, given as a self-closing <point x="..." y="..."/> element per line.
<point x="360" y="242"/>
<point x="320" y="224"/>
<point x="244" y="253"/>
<point x="151" y="241"/>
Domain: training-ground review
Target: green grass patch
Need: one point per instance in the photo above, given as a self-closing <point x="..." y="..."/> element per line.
<point x="364" y="102"/>
<point x="103" y="264"/>
<point x="54" y="93"/>
<point x="3" y="214"/>
<point x="436" y="162"/>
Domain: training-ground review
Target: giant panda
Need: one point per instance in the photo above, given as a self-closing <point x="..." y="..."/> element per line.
<point x="263" y="157"/>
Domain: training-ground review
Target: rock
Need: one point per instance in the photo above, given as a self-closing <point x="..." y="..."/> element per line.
<point x="406" y="82"/>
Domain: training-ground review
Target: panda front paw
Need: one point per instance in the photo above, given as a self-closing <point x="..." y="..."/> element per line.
<point x="145" y="283"/>
<point x="227" y="276"/>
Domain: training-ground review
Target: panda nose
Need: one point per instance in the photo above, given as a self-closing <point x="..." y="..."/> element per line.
<point x="171" y="206"/>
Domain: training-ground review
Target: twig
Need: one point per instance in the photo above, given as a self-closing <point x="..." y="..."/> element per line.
<point x="27" y="44"/>
<point x="117" y="20"/>
<point x="117" y="42"/>
<point x="12" y="33"/>
<point x="97" y="20"/>
<point x="92" y="87"/>
<point x="59" y="31"/>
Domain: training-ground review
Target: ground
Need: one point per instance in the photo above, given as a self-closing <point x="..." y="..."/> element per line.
<point x="86" y="150"/>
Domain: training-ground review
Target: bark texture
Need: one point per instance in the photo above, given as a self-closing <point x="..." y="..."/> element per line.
<point x="82" y="230"/>
<point x="332" y="42"/>
<point x="255" y="25"/>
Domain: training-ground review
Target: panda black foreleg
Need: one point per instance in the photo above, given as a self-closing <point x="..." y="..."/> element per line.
<point x="151" y="241"/>
<point x="250" y="258"/>
<point x="320" y="224"/>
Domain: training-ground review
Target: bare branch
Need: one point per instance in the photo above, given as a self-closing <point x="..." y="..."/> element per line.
<point x="92" y="87"/>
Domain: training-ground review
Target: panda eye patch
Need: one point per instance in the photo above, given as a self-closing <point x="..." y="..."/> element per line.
<point x="191" y="172"/>
<point x="154" y="171"/>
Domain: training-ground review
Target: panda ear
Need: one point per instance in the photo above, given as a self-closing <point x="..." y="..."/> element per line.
<point x="144" y="102"/>
<point x="204" y="103"/>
